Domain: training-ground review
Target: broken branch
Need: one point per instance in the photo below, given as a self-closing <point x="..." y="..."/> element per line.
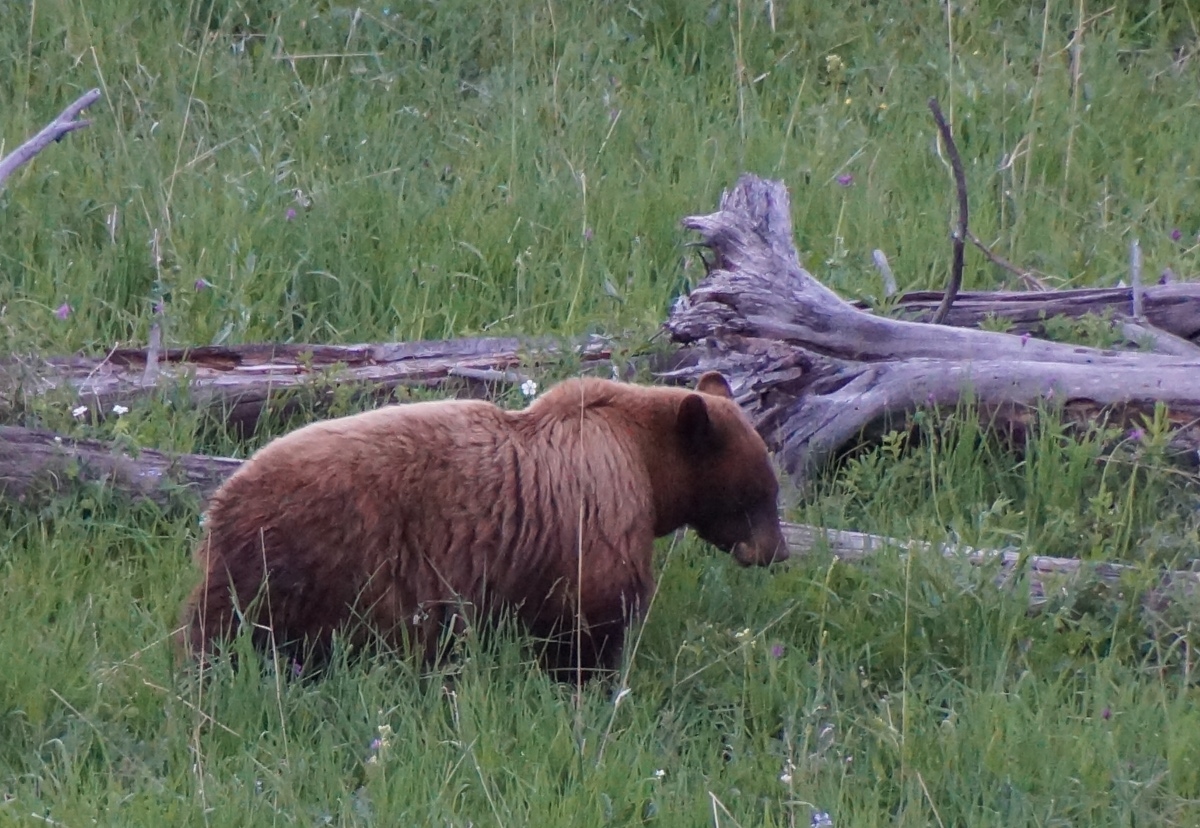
<point x="67" y="121"/>
<point x="960" y="234"/>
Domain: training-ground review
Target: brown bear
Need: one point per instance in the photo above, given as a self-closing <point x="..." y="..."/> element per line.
<point x="411" y="518"/>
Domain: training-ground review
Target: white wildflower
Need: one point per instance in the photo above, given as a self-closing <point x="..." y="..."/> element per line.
<point x="660" y="773"/>
<point x="78" y="411"/>
<point x="821" y="819"/>
<point x="119" y="409"/>
<point x="529" y="388"/>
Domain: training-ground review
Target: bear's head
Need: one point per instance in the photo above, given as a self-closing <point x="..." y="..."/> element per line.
<point x="732" y="491"/>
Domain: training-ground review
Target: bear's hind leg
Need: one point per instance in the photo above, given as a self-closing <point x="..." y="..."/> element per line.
<point x="580" y="654"/>
<point x="208" y="617"/>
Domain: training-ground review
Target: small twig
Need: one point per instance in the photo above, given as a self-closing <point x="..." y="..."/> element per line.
<point x="1029" y="277"/>
<point x="67" y="121"/>
<point x="960" y="233"/>
<point x="885" y="270"/>
<point x="1135" y="277"/>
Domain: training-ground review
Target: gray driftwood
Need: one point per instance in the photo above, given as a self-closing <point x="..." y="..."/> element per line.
<point x="67" y="121"/>
<point x="816" y="373"/>
<point x="1171" y="321"/>
<point x="36" y="464"/>
<point x="39" y="464"/>
<point x="239" y="383"/>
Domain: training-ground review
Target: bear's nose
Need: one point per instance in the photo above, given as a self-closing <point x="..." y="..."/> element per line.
<point x="748" y="553"/>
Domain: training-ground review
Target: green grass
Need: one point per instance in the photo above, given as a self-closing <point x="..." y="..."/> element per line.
<point x="342" y="173"/>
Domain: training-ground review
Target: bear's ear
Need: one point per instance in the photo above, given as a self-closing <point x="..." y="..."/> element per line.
<point x="694" y="425"/>
<point x="715" y="384"/>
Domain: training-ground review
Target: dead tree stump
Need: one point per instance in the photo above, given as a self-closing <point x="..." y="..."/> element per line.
<point x="816" y="373"/>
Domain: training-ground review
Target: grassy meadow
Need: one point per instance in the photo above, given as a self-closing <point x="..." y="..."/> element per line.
<point x="395" y="169"/>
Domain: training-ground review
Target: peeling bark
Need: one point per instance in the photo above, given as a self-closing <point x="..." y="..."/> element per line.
<point x="240" y="383"/>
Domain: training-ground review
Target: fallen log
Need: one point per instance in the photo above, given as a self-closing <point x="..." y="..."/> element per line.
<point x="37" y="464"/>
<point x="40" y="464"/>
<point x="1172" y="311"/>
<point x="816" y="373"/>
<point x="1049" y="578"/>
<point x="239" y="383"/>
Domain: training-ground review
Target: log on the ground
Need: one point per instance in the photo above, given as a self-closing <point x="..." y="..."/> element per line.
<point x="1172" y="312"/>
<point x="815" y="373"/>
<point x="240" y="383"/>
<point x="1049" y="578"/>
<point x="35" y="464"/>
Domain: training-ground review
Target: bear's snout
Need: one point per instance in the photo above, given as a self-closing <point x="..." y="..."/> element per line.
<point x="762" y="549"/>
<point x="766" y="544"/>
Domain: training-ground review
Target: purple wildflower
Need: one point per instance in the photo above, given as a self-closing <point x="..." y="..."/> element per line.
<point x="1136" y="434"/>
<point x="845" y="179"/>
<point x="63" y="311"/>
<point x="159" y="307"/>
<point x="291" y="214"/>
<point x="297" y="668"/>
<point x="777" y="651"/>
<point x="1106" y="714"/>
<point x="1024" y="338"/>
<point x="202" y="284"/>
<point x="588" y="235"/>
<point x="1176" y="234"/>
<point x="376" y="744"/>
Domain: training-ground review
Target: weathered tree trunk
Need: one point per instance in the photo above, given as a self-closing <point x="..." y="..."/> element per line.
<point x="1172" y="312"/>
<point x="240" y="383"/>
<point x="36" y="464"/>
<point x="815" y="372"/>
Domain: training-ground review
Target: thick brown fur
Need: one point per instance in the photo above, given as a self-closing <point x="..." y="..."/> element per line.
<point x="409" y="516"/>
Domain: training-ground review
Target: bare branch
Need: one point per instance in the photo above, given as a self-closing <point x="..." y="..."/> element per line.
<point x="67" y="121"/>
<point x="960" y="234"/>
<point x="1029" y="277"/>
